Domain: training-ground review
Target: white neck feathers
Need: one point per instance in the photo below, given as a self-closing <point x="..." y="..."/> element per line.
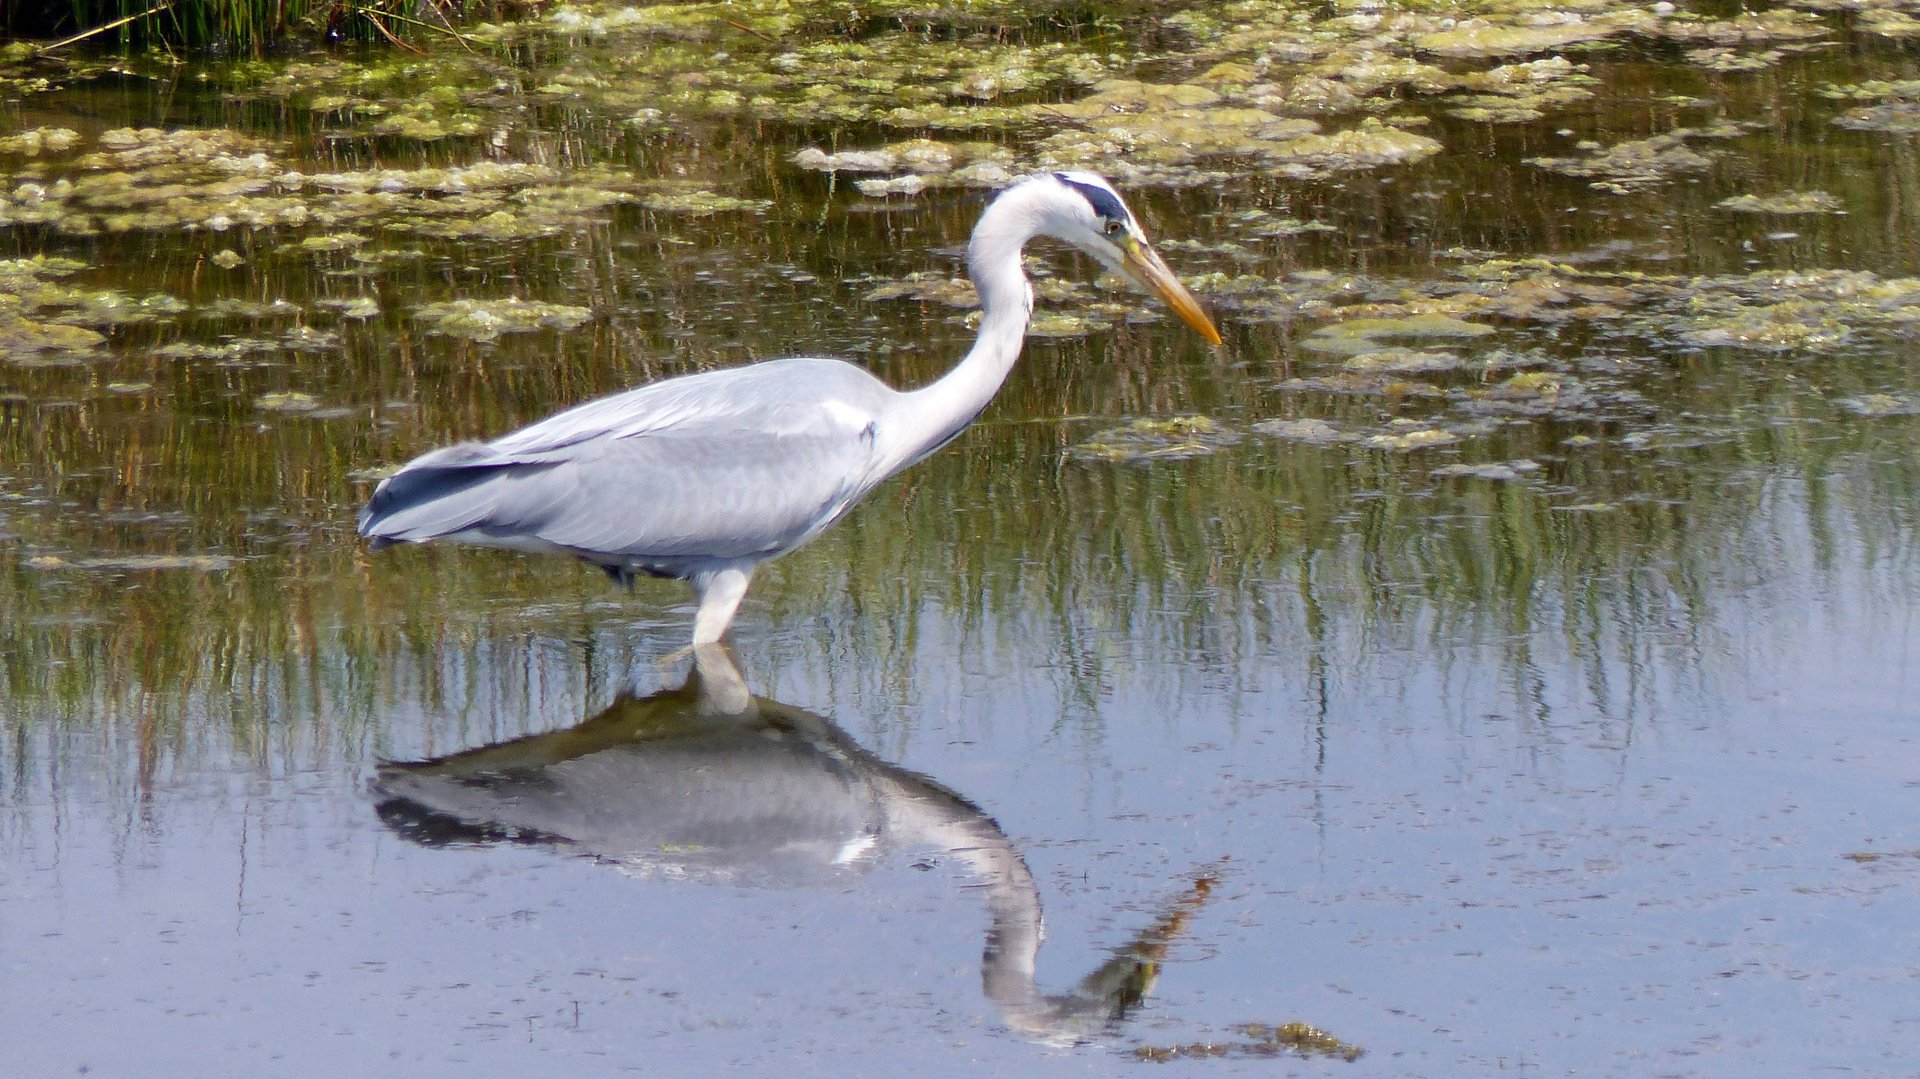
<point x="933" y="415"/>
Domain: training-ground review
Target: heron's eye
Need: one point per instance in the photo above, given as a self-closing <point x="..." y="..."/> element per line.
<point x="1115" y="228"/>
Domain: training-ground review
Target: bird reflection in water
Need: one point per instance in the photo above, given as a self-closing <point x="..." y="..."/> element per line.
<point x="708" y="782"/>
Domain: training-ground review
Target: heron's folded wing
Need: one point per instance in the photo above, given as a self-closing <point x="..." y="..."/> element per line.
<point x="706" y="486"/>
<point x="686" y="492"/>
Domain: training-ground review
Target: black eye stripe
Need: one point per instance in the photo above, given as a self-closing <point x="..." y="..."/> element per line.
<point x="1099" y="198"/>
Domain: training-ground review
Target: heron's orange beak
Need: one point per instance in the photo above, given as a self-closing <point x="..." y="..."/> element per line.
<point x="1143" y="264"/>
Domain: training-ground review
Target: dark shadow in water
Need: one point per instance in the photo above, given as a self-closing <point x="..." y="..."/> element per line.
<point x="708" y="782"/>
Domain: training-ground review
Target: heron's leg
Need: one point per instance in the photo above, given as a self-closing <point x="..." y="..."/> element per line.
<point x="720" y="592"/>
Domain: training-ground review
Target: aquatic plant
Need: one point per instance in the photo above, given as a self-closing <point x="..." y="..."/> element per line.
<point x="1157" y="440"/>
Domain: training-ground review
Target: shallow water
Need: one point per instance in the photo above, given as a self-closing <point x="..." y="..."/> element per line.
<point x="1527" y="697"/>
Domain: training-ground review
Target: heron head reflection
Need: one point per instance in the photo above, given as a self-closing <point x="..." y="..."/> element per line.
<point x="709" y="782"/>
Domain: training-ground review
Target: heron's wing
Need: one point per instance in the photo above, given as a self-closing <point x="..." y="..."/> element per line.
<point x="734" y="465"/>
<point x="771" y="398"/>
<point x="697" y="489"/>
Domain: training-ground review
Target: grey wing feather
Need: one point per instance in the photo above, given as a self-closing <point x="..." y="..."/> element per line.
<point x="731" y="465"/>
<point x="423" y="500"/>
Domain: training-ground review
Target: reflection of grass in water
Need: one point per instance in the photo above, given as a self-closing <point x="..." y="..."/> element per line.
<point x="1278" y="550"/>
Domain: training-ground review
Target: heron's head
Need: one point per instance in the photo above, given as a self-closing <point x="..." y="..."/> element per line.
<point x="1092" y="217"/>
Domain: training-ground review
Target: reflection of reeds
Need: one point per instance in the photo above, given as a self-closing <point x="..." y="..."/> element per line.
<point x="1338" y="557"/>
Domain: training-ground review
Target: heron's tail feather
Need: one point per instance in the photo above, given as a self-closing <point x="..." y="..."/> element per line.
<point x="439" y="494"/>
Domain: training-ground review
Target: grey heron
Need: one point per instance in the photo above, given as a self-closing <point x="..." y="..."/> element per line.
<point x="705" y="476"/>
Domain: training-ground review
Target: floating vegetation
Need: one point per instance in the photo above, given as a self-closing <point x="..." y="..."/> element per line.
<point x="13" y="271"/>
<point x="45" y="321"/>
<point x="1881" y="404"/>
<point x="928" y="286"/>
<point x="417" y="122"/>
<point x="1403" y="361"/>
<point x="147" y="147"/>
<point x="1498" y="471"/>
<point x="1258" y="222"/>
<point x="1156" y="440"/>
<point x="1143" y="126"/>
<point x="1088" y="315"/>
<point x="1313" y="431"/>
<point x="1058" y="324"/>
<point x="309" y="339"/>
<point x="922" y="157"/>
<point x="1897" y="114"/>
<point x="335" y="242"/>
<point x="1370" y="145"/>
<point x="1355" y="384"/>
<point x="1408" y="435"/>
<point x="289" y="401"/>
<point x="1268" y="77"/>
<point x="1777" y="25"/>
<point x="1792" y="202"/>
<point x="1868" y="857"/>
<point x="1541" y="393"/>
<point x="1640" y="163"/>
<point x="675" y="19"/>
<point x="1887" y="23"/>
<point x="702" y="203"/>
<point x="1357" y="336"/>
<point x="217" y="180"/>
<point x="898" y="79"/>
<point x="1258" y="1040"/>
<point x="1547" y="384"/>
<point x="1536" y="290"/>
<point x="357" y="307"/>
<point x="1513" y="108"/>
<point x="195" y="350"/>
<point x="1892" y="118"/>
<point x="1139" y="131"/>
<point x="135" y="563"/>
<point x="1727" y="60"/>
<point x="252" y="351"/>
<point x="1812" y="312"/>
<point x="898" y="185"/>
<point x="233" y="307"/>
<point x="39" y="140"/>
<point x="1551" y="31"/>
<point x="31" y="342"/>
<point x="1789" y="324"/>
<point x="485" y="320"/>
<point x="1872" y="90"/>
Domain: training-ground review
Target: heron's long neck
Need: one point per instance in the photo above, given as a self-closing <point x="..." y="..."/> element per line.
<point x="936" y="413"/>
